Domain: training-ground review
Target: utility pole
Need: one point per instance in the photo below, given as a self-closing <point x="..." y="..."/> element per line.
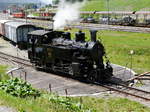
<point x="26" y="15"/>
<point x="108" y="18"/>
<point x="131" y="53"/>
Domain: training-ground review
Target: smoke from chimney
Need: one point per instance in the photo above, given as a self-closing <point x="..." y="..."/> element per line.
<point x="68" y="12"/>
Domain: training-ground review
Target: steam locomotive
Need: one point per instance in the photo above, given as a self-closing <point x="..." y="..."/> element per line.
<point x="57" y="52"/>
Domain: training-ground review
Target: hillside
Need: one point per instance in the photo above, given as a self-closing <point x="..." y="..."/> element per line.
<point x="6" y="3"/>
<point x="19" y="1"/>
<point x="117" y="5"/>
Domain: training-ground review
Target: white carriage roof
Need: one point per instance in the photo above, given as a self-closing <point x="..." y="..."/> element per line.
<point x="4" y="21"/>
<point x="17" y="24"/>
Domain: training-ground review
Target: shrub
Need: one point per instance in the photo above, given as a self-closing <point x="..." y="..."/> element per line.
<point x="18" y="88"/>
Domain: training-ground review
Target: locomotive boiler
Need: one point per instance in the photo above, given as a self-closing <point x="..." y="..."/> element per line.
<point x="57" y="52"/>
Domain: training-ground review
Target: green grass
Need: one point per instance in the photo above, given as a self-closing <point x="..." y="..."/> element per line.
<point x="96" y="104"/>
<point x="36" y="14"/>
<point x="3" y="75"/>
<point x="30" y="104"/>
<point x="117" y="5"/>
<point x="118" y="45"/>
<point x="95" y="5"/>
<point x="114" y="105"/>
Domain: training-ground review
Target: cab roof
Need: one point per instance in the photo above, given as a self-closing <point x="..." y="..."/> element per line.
<point x="39" y="32"/>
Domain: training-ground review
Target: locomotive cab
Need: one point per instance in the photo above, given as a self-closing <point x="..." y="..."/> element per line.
<point x="35" y="40"/>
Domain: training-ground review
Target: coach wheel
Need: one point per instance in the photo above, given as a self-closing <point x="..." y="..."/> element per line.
<point x="71" y="70"/>
<point x="92" y="77"/>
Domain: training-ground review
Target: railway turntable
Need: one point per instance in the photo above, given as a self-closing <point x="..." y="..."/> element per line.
<point x="64" y="85"/>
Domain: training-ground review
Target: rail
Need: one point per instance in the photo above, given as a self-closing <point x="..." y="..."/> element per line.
<point x="138" y="93"/>
<point x="15" y="59"/>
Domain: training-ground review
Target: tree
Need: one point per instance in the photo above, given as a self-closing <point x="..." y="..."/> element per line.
<point x="30" y="6"/>
<point x="55" y="1"/>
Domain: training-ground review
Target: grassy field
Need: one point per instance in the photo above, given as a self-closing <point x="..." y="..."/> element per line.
<point x="95" y="104"/>
<point x="119" y="44"/>
<point x="3" y="76"/>
<point x="115" y="5"/>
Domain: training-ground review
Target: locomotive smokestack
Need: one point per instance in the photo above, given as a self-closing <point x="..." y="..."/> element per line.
<point x="93" y="35"/>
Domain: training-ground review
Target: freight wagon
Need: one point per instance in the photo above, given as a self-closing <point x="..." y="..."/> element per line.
<point x="2" y="29"/>
<point x="16" y="32"/>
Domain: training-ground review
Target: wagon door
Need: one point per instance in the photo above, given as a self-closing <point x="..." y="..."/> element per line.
<point x="19" y="34"/>
<point x="24" y="34"/>
<point x="26" y="30"/>
<point x="10" y="33"/>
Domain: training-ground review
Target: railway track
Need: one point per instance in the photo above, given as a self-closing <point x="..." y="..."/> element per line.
<point x="14" y="59"/>
<point x="120" y="88"/>
<point x="98" y="27"/>
<point x="143" y="76"/>
<point x="111" y="27"/>
<point x="129" y="91"/>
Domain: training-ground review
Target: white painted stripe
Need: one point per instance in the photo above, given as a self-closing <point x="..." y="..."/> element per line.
<point x="94" y="94"/>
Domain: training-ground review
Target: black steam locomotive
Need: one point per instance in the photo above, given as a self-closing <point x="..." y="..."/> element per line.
<point x="55" y="51"/>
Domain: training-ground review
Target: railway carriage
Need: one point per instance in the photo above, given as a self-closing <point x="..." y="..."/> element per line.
<point x="17" y="32"/>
